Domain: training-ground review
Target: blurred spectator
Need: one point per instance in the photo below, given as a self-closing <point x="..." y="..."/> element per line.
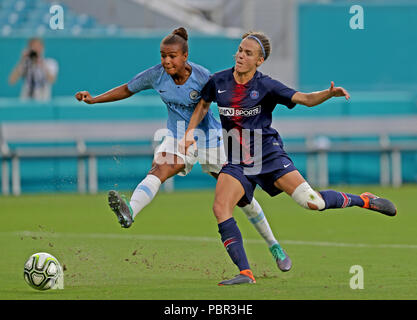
<point x="38" y="73"/>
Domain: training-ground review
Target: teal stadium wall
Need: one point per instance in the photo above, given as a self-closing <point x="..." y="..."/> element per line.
<point x="382" y="56"/>
<point x="377" y="65"/>
<point x="100" y="63"/>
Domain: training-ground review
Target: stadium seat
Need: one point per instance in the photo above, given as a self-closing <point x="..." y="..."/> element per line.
<point x="7" y="4"/>
<point x="33" y="16"/>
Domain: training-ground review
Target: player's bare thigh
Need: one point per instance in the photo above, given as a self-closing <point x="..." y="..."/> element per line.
<point x="166" y="165"/>
<point x="289" y="181"/>
<point x="228" y="193"/>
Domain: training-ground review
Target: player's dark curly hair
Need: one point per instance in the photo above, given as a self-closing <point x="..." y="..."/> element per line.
<point x="266" y="43"/>
<point x="178" y="36"/>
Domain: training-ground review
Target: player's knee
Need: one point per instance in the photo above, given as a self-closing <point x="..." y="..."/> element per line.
<point x="217" y="210"/>
<point x="306" y="197"/>
<point x="158" y="171"/>
<point x="220" y="211"/>
<point x="165" y="171"/>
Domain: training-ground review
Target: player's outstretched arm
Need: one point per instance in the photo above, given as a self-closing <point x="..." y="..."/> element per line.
<point x="315" y="98"/>
<point x="198" y="115"/>
<point x="115" y="94"/>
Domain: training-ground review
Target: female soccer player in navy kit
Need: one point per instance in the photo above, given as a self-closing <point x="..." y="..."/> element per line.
<point x="179" y="83"/>
<point x="246" y="99"/>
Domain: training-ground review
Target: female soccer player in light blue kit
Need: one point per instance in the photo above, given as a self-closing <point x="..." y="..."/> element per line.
<point x="179" y="83"/>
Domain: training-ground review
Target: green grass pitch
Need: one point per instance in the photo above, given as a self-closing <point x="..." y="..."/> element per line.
<point x="173" y="250"/>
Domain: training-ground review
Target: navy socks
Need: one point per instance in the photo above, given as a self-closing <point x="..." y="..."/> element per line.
<point x="232" y="241"/>
<point x="335" y="199"/>
<point x="232" y="238"/>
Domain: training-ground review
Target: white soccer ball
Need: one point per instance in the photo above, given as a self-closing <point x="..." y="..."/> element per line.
<point x="42" y="271"/>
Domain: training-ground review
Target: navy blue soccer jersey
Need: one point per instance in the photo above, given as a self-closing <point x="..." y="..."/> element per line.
<point x="246" y="116"/>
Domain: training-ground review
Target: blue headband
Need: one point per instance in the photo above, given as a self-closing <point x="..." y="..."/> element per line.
<point x="260" y="43"/>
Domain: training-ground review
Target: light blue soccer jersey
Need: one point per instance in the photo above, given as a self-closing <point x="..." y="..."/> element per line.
<point x="181" y="101"/>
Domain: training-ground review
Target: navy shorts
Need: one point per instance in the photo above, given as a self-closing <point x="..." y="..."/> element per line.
<point x="264" y="180"/>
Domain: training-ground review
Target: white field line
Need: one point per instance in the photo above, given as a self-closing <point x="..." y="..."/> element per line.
<point x="199" y="239"/>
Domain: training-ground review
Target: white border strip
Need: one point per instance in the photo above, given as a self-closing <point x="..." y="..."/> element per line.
<point x="200" y="239"/>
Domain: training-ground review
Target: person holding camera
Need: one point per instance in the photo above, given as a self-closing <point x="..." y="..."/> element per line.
<point x="37" y="72"/>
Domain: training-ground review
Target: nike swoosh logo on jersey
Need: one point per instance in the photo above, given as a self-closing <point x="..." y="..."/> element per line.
<point x="287" y="165"/>
<point x="221" y="91"/>
<point x="161" y="91"/>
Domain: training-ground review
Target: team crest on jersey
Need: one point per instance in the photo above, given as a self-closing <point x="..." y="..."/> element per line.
<point x="194" y="94"/>
<point x="254" y="94"/>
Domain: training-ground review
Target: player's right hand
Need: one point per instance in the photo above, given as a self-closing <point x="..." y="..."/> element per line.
<point x="84" y="96"/>
<point x="186" y="142"/>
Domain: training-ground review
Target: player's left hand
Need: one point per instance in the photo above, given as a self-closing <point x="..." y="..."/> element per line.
<point x="338" y="91"/>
